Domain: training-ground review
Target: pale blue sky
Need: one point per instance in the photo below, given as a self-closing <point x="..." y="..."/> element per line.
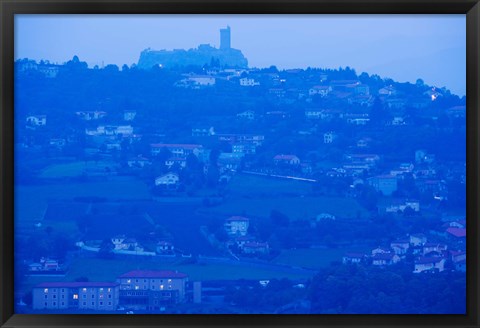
<point x="402" y="47"/>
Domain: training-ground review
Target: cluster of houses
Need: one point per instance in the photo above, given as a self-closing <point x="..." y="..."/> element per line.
<point x="135" y="290"/>
<point x="45" y="266"/>
<point x="427" y="256"/>
<point x="240" y="241"/>
<point x="123" y="245"/>
<point x="244" y="147"/>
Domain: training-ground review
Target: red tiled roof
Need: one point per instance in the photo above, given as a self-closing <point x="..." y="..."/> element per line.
<point x="457" y="232"/>
<point x="75" y="284"/>
<point x="238" y="218"/>
<point x="153" y="274"/>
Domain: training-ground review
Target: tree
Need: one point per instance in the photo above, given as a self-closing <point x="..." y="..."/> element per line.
<point x="279" y="219"/>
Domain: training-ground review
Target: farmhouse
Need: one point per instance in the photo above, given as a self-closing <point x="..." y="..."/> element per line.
<point x="286" y="160"/>
<point x="37" y="120"/>
<point x="169" y="181"/>
<point x="237" y="225"/>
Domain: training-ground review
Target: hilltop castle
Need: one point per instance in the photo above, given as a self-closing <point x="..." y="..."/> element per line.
<point x="226" y="56"/>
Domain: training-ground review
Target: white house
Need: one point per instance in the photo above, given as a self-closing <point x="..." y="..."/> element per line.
<point x="400" y="247"/>
<point x="91" y="115"/>
<point x="418" y="239"/>
<point x="429" y="264"/>
<point x="321" y="90"/>
<point x="329" y="137"/>
<point x="237" y="225"/>
<point x="286" y="159"/>
<point x="202" y="80"/>
<point x="381" y="259"/>
<point x="248" y="115"/>
<point x="37" y="120"/>
<point x="246" y="82"/>
<point x="168" y="180"/>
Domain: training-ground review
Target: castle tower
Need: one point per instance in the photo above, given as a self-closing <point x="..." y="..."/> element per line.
<point x="225" y="38"/>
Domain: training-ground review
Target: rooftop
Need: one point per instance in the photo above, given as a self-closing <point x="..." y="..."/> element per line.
<point x="153" y="274"/>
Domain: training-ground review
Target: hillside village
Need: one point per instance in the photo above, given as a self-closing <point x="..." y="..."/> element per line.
<point x="183" y="168"/>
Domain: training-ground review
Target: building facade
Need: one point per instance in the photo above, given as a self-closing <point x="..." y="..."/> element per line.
<point x="150" y="290"/>
<point x="97" y="296"/>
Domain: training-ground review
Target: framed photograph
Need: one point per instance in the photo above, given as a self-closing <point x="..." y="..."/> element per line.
<point x="229" y="164"/>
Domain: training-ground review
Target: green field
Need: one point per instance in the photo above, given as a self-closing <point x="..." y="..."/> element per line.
<point x="74" y="169"/>
<point x="312" y="258"/>
<point x="295" y="208"/>
<point x="31" y="202"/>
<point x="251" y="184"/>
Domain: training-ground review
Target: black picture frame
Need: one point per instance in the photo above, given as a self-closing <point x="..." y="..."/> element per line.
<point x="9" y="8"/>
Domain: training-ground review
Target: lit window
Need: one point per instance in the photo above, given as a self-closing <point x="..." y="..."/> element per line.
<point x="75" y="296"/>
<point x="137" y="287"/>
<point x="129" y="281"/>
<point x="109" y="290"/>
<point x="101" y="290"/>
<point x="84" y="290"/>
<point x="161" y="286"/>
<point x="169" y="280"/>
<point x="45" y="290"/>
